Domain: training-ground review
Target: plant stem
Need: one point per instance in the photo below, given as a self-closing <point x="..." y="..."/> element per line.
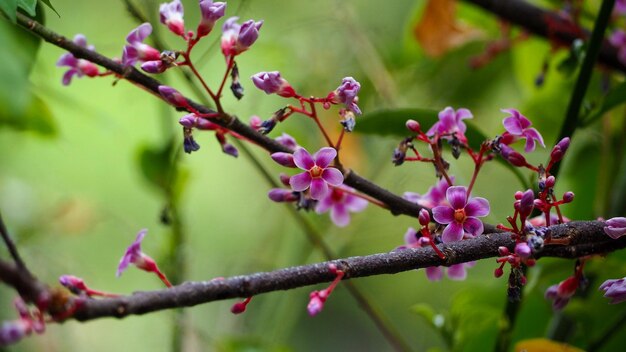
<point x="11" y="245"/>
<point x="572" y="116"/>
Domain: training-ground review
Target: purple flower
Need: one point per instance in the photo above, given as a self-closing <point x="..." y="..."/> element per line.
<point x="513" y="157"/>
<point x="562" y="292"/>
<point x="340" y="203"/>
<point x="518" y="125"/>
<point x="618" y="39"/>
<point x="173" y="96"/>
<point x="347" y="93"/>
<point x="461" y="215"/>
<point x="436" y="195"/>
<point x="615" y="290"/>
<point x="272" y="82"/>
<point x="133" y="254"/>
<point x="620" y="7"/>
<point x="616" y="227"/>
<point x="137" y="50"/>
<point x="451" y="123"/>
<point x="317" y="174"/>
<point x="211" y="12"/>
<point x="171" y="15"/>
<point x="78" y="67"/>
<point x="238" y="38"/>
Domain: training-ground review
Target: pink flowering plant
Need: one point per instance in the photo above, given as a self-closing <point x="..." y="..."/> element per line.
<point x="455" y="221"/>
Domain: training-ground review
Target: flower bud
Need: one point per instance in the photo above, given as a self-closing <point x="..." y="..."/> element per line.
<point x="527" y="203"/>
<point x="513" y="157"/>
<point x="284" y="179"/>
<point x="280" y="195"/>
<point x="211" y="12"/>
<point x="273" y="83"/>
<point x="284" y="159"/>
<point x="172" y="96"/>
<point x="413" y="126"/>
<point x="171" y="15"/>
<point x="498" y="272"/>
<point x="316" y="303"/>
<point x="503" y="251"/>
<point x="559" y="150"/>
<point x="523" y="250"/>
<point x="188" y="120"/>
<point x="568" y="197"/>
<point x="424" y="217"/>
<point x="616" y="227"/>
<point x="230" y="149"/>
<point x="154" y="66"/>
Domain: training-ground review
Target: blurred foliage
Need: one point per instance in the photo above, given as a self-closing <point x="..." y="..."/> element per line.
<point x="74" y="202"/>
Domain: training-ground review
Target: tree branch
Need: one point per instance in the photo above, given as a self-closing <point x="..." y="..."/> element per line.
<point x="586" y="238"/>
<point x="548" y="24"/>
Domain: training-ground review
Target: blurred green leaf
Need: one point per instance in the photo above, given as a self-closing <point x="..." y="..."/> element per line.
<point x="156" y="165"/>
<point x="9" y="7"/>
<point x="37" y="118"/>
<point x="615" y="97"/>
<point x="28" y="5"/>
<point x="391" y="122"/>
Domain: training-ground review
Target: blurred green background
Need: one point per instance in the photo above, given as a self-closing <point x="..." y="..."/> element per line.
<point x="74" y="194"/>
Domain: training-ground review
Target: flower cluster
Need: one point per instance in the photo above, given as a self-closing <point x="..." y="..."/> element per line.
<point x="78" y="67"/>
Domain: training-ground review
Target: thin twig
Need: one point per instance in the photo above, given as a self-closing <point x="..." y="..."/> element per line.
<point x="11" y="245"/>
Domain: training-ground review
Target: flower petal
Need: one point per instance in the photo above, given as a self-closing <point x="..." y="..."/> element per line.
<point x="530" y="145"/>
<point x="303" y="159"/>
<point x="453" y="232"/>
<point x="473" y="226"/>
<point x="457" y="196"/>
<point x="534" y="134"/>
<point x="339" y="215"/>
<point x="512" y="125"/>
<point x="333" y="176"/>
<point x="477" y="207"/>
<point x="457" y="272"/>
<point x="410" y="237"/>
<point x="443" y="214"/>
<point x="319" y="188"/>
<point x="355" y="204"/>
<point x="300" y="182"/>
<point x="324" y="156"/>
<point x="434" y="273"/>
<point x="324" y="204"/>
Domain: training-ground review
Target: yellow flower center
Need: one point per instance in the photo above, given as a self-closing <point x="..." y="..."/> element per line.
<point x="459" y="215"/>
<point x="316" y="171"/>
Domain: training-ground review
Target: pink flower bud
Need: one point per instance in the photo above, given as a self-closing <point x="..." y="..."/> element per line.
<point x="316" y="303"/>
<point x="513" y="157"/>
<point x="523" y="250"/>
<point x="272" y="82"/>
<point x="171" y="15"/>
<point x="284" y="159"/>
<point x="503" y="251"/>
<point x="413" y="126"/>
<point x="172" y="96"/>
<point x="568" y="197"/>
<point x="424" y="217"/>
<point x="211" y="12"/>
<point x="498" y="272"/>
<point x="282" y="195"/>
<point x="559" y="150"/>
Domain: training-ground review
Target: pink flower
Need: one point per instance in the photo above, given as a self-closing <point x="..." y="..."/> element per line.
<point x="137" y="50"/>
<point x="238" y="38"/>
<point x="78" y="67"/>
<point x="142" y="261"/>
<point x="171" y="15"/>
<point x="451" y="123"/>
<point x="436" y="195"/>
<point x="317" y="174"/>
<point x="461" y="215"/>
<point x="519" y="126"/>
<point x="616" y="227"/>
<point x="615" y="290"/>
<point x="340" y="203"/>
<point x="211" y="12"/>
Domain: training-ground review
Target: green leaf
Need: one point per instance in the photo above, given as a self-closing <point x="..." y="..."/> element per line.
<point x="392" y="123"/>
<point x="9" y="8"/>
<point x="615" y="97"/>
<point x="47" y="3"/>
<point x="36" y="118"/>
<point x="436" y="321"/>
<point x="156" y="165"/>
<point x="28" y="5"/>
